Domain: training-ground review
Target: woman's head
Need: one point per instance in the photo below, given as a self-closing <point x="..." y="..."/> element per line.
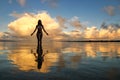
<point x="39" y="22"/>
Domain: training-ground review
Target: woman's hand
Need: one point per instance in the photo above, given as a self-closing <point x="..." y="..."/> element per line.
<point x="47" y="33"/>
<point x="31" y="34"/>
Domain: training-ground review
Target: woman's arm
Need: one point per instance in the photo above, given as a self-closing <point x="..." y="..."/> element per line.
<point x="44" y="30"/>
<point x="34" y="31"/>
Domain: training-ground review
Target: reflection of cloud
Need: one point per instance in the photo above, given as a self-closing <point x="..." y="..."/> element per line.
<point x="73" y="50"/>
<point x="90" y="52"/>
<point x="64" y="54"/>
<point x="49" y="60"/>
<point x="92" y="49"/>
<point x="26" y="60"/>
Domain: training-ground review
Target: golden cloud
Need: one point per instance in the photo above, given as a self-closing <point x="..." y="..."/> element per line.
<point x="24" y="25"/>
<point x="1" y="34"/>
<point x="93" y="33"/>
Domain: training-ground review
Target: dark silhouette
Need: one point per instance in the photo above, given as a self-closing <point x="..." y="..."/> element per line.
<point x="39" y="33"/>
<point x="39" y="50"/>
<point x="39" y="56"/>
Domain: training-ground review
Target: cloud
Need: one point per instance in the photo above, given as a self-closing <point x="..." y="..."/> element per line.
<point x="8" y="36"/>
<point x="119" y="7"/>
<point x="60" y="28"/>
<point x="16" y="15"/>
<point x="22" y="2"/>
<point x="110" y="10"/>
<point x="62" y="21"/>
<point x="110" y="31"/>
<point x="51" y="3"/>
<point x="93" y="33"/>
<point x="73" y="35"/>
<point x="4" y="35"/>
<point x="10" y="1"/>
<point x="1" y="34"/>
<point x="75" y="22"/>
<point x="24" y="25"/>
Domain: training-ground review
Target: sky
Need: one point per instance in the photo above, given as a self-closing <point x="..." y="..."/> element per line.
<point x="63" y="19"/>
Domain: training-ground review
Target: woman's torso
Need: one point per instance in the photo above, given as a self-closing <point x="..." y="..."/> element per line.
<point x="39" y="27"/>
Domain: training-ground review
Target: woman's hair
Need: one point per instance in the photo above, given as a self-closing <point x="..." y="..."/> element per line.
<point x="39" y="22"/>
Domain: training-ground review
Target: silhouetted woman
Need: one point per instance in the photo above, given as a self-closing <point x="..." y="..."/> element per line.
<point x="39" y="33"/>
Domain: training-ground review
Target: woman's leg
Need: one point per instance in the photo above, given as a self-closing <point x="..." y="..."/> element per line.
<point x="39" y="45"/>
<point x="39" y="39"/>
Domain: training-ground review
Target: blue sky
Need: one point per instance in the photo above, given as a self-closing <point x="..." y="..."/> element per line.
<point x="92" y="12"/>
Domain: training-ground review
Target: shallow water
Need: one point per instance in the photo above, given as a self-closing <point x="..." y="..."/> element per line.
<point x="61" y="61"/>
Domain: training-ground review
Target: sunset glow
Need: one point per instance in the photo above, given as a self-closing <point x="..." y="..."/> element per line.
<point x="75" y="24"/>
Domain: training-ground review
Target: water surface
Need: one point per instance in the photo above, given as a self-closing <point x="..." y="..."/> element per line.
<point x="61" y="61"/>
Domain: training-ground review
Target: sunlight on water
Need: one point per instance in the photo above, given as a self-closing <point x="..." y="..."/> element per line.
<point x="83" y="60"/>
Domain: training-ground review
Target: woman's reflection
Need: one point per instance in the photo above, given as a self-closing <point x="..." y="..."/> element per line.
<point x="39" y="56"/>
